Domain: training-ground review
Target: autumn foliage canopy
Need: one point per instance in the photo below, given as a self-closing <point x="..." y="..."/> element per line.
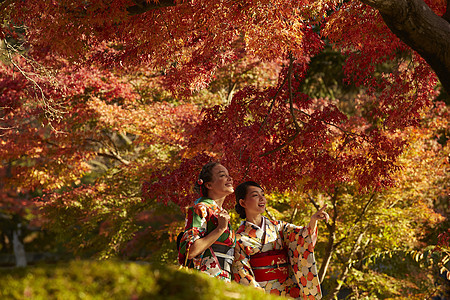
<point x="276" y="134"/>
<point x="79" y="70"/>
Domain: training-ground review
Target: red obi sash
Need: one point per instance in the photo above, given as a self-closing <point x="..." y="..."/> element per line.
<point x="270" y="265"/>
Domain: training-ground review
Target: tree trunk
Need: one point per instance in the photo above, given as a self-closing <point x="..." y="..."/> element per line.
<point x="328" y="254"/>
<point x="331" y="235"/>
<point x="346" y="268"/>
<point x="19" y="249"/>
<point x="413" y="22"/>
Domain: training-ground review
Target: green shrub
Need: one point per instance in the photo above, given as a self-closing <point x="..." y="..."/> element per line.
<point x="117" y="280"/>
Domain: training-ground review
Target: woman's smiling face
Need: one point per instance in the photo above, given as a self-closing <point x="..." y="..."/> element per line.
<point x="254" y="202"/>
<point x="221" y="182"/>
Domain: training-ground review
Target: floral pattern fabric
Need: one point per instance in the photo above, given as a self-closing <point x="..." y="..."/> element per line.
<point x="303" y="282"/>
<point x="201" y="219"/>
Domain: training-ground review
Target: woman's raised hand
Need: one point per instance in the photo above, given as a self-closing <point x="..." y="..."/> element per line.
<point x="321" y="214"/>
<point x="223" y="218"/>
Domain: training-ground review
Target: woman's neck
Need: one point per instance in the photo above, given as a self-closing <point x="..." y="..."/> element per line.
<point x="218" y="199"/>
<point x="256" y="219"/>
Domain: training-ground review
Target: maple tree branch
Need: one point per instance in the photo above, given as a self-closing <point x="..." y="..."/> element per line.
<point x="297" y="126"/>
<point x="446" y="15"/>
<point x="347" y="265"/>
<point x="51" y="112"/>
<point x="231" y="88"/>
<point x="415" y="23"/>
<point x="114" y="156"/>
<point x="292" y="111"/>
<point x="330" y="246"/>
<point x="109" y="153"/>
<point x="109" y="137"/>
<point x="272" y="104"/>
<point x="273" y="99"/>
<point x="3" y="118"/>
<point x="48" y="108"/>
<point x="291" y="104"/>
<point x="331" y="124"/>
<point x="281" y="146"/>
<point x="355" y="223"/>
<point x="145" y="6"/>
<point x="5" y="3"/>
<point x="297" y="132"/>
<point x="270" y="215"/>
<point x="294" y="213"/>
<point x="311" y="199"/>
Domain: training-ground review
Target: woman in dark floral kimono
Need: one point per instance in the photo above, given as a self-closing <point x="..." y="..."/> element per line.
<point x="274" y="255"/>
<point x="208" y="241"/>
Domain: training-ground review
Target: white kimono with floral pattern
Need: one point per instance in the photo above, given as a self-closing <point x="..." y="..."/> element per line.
<point x="303" y="282"/>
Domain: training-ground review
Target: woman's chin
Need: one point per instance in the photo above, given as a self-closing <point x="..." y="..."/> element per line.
<point x="230" y="190"/>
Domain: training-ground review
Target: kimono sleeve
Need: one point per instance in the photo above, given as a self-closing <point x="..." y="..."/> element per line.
<point x="195" y="228"/>
<point x="298" y="235"/>
<point x="242" y="271"/>
<point x="300" y="242"/>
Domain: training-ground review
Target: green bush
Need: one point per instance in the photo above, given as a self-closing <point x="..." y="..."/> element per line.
<point x="117" y="280"/>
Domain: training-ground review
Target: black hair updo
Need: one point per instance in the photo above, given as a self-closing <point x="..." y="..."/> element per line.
<point x="240" y="192"/>
<point x="204" y="177"/>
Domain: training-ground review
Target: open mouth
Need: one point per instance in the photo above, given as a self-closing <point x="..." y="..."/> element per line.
<point x="262" y="205"/>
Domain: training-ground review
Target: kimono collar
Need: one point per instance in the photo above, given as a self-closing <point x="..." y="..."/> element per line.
<point x="263" y="223"/>
<point x="205" y="200"/>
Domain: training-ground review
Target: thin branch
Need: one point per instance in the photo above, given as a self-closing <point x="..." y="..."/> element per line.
<point x="247" y="166"/>
<point x="292" y="111"/>
<point x="347" y="265"/>
<point x="294" y="213"/>
<point x="294" y="119"/>
<point x="366" y="207"/>
<point x="114" y="156"/>
<point x="330" y="246"/>
<point x="330" y="124"/>
<point x="292" y="138"/>
<point x="270" y="215"/>
<point x="144" y="6"/>
<point x="50" y="111"/>
<point x="231" y="88"/>
<point x="5" y="4"/>
<point x="109" y="137"/>
<point x="272" y="104"/>
<point x="232" y="85"/>
<point x="311" y="199"/>
<point x="355" y="223"/>
<point x="291" y="104"/>
<point x="111" y="153"/>
<point x="2" y="119"/>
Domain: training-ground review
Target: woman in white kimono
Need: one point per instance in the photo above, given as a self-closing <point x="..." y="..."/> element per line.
<point x="274" y="255"/>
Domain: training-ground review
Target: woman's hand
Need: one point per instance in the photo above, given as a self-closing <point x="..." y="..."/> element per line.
<point x="200" y="245"/>
<point x="321" y="214"/>
<point x="223" y="218"/>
